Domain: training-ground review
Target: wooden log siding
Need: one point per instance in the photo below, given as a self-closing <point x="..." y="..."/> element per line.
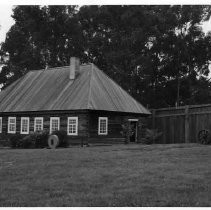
<point x="87" y="125"/>
<point x="114" y="129"/>
<point x="82" y="123"/>
<point x="182" y="124"/>
<point x="115" y="122"/>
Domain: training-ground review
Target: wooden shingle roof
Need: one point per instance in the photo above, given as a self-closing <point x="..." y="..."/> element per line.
<point x="49" y="90"/>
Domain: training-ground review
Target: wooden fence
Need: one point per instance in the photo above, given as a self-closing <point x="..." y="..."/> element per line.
<point x="181" y="124"/>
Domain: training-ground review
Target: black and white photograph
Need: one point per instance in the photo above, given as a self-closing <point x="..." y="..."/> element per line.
<point x="105" y="105"/>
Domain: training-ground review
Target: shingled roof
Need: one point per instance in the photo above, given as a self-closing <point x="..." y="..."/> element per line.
<point x="49" y="90"/>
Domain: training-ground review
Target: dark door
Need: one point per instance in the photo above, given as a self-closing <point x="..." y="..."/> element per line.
<point x="133" y="133"/>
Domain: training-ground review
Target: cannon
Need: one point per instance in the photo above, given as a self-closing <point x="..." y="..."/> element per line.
<point x="204" y="136"/>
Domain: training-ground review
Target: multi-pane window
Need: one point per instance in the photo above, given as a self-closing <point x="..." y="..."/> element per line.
<point x="24" y="125"/>
<point x="12" y="125"/>
<point x="54" y="124"/>
<point x="102" y="126"/>
<point x="0" y="124"/>
<point x="72" y="126"/>
<point x="38" y="123"/>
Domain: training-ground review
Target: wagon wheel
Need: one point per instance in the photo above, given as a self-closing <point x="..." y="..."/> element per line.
<point x="203" y="136"/>
<point x="53" y="141"/>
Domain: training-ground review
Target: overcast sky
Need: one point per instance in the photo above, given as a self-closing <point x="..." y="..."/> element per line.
<point x="6" y="21"/>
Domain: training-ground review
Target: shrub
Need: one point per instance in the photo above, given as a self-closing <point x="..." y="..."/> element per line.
<point x="41" y="138"/>
<point x="15" y="140"/>
<point x="38" y="139"/>
<point x="19" y="141"/>
<point x="4" y="140"/>
<point x="151" y="136"/>
<point x="27" y="141"/>
<point x="126" y="132"/>
<point x="62" y="135"/>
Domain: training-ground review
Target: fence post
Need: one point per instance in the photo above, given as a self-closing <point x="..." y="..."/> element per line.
<point x="187" y="140"/>
<point x="153" y="119"/>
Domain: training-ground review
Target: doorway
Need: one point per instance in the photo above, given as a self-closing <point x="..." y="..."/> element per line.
<point x="133" y="129"/>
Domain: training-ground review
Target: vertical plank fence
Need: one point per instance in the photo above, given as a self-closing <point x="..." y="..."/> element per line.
<point x="181" y="124"/>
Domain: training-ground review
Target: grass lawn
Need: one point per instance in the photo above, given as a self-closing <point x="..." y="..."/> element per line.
<point x="118" y="175"/>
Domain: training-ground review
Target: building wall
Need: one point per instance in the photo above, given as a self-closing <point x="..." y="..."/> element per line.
<point x="115" y="122"/>
<point x="87" y="125"/>
<point x="82" y="123"/>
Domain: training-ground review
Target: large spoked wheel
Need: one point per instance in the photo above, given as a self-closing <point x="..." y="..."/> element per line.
<point x="203" y="137"/>
<point x="53" y="141"/>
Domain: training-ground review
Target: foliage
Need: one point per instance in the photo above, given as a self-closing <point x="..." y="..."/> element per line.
<point x="151" y="136"/>
<point x="41" y="138"/>
<point x="148" y="48"/>
<point x="159" y="54"/>
<point x="36" y="139"/>
<point x="62" y="135"/>
<point x="4" y="143"/>
<point x="19" y="141"/>
<point x="126" y="132"/>
<point x="4" y="140"/>
<point x="27" y="142"/>
<point x="15" y="140"/>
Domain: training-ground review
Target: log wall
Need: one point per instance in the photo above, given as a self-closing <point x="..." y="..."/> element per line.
<point x="82" y="123"/>
<point x="115" y="122"/>
<point x="87" y="125"/>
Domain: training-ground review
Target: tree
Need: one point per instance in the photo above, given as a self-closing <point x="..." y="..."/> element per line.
<point x="147" y="48"/>
<point x="41" y="37"/>
<point x="159" y="54"/>
<point x="187" y="46"/>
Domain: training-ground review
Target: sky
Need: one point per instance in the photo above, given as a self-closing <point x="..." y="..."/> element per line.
<point x="6" y="20"/>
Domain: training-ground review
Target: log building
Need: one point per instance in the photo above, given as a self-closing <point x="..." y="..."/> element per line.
<point x="80" y="99"/>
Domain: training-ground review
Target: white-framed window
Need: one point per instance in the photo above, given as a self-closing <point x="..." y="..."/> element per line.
<point x="38" y="123"/>
<point x="102" y="126"/>
<point x="1" y="124"/>
<point x="24" y="125"/>
<point x="72" y="126"/>
<point x="12" y="125"/>
<point x="54" y="124"/>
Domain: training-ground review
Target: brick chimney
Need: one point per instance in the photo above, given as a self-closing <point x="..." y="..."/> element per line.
<point x="74" y="67"/>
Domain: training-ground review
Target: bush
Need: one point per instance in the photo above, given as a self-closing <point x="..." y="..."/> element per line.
<point x="62" y="135"/>
<point x="15" y="140"/>
<point x="126" y="132"/>
<point x="41" y="138"/>
<point x="38" y="139"/>
<point x="27" y="142"/>
<point x="151" y="136"/>
<point x="4" y="140"/>
<point x="19" y="141"/>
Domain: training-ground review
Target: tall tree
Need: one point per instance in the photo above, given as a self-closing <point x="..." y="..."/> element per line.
<point x="146" y="48"/>
<point x="187" y="46"/>
<point x="157" y="53"/>
<point x="41" y="37"/>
